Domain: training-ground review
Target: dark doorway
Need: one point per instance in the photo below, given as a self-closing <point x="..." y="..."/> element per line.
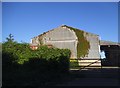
<point x="112" y="53"/>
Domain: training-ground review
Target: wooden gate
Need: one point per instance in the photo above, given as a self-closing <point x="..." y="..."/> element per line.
<point x="85" y="63"/>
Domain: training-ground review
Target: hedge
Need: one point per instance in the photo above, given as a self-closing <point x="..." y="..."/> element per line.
<point x="22" y="65"/>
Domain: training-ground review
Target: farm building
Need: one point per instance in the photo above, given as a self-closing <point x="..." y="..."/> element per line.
<point x="83" y="45"/>
<point x="112" y="52"/>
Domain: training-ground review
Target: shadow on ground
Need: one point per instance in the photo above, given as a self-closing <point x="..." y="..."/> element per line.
<point x="91" y="77"/>
<point x="85" y="77"/>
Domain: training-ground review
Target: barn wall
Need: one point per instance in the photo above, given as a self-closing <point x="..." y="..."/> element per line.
<point x="63" y="38"/>
<point x="35" y="40"/>
<point x="94" y="46"/>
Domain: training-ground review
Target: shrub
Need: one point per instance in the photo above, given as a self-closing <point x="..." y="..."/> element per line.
<point x="21" y="64"/>
<point x="20" y="52"/>
<point x="57" y="59"/>
<point x="74" y="63"/>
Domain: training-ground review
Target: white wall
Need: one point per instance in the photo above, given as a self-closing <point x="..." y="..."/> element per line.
<point x="94" y="45"/>
<point x="63" y="38"/>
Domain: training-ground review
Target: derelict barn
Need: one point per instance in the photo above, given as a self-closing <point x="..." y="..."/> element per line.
<point x="83" y="45"/>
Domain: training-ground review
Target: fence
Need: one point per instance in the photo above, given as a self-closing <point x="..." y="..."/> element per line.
<point x="85" y="63"/>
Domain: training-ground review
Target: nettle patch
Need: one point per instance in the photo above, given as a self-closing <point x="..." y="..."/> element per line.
<point x="83" y="45"/>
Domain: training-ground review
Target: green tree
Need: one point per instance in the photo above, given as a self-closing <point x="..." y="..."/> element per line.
<point x="10" y="38"/>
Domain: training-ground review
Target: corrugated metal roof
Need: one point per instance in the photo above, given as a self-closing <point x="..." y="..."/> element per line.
<point x="103" y="42"/>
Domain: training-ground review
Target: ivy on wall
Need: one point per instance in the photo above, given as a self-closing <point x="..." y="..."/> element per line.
<point x="40" y="40"/>
<point x="83" y="45"/>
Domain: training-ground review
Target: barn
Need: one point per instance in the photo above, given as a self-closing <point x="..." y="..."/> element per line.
<point x="83" y="45"/>
<point x="112" y="53"/>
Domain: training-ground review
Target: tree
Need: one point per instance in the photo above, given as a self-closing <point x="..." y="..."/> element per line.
<point x="10" y="38"/>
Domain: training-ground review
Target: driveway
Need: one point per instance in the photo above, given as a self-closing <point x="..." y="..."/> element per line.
<point x="94" y="77"/>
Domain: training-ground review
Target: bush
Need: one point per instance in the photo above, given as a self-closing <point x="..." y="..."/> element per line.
<point x="23" y="64"/>
<point x="74" y="63"/>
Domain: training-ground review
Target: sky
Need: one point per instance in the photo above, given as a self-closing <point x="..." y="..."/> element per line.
<point x="25" y="20"/>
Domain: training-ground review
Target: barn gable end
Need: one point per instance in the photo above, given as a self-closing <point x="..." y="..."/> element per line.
<point x="82" y="44"/>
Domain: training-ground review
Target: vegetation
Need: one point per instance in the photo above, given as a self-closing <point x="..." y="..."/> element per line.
<point x="83" y="45"/>
<point x="23" y="66"/>
<point x="0" y="47"/>
<point x="74" y="63"/>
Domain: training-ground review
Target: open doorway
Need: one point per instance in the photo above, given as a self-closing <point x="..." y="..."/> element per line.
<point x="110" y="55"/>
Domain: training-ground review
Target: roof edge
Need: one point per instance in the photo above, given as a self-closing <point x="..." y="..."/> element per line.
<point x="63" y="25"/>
<point x="78" y="29"/>
<point x="104" y="42"/>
